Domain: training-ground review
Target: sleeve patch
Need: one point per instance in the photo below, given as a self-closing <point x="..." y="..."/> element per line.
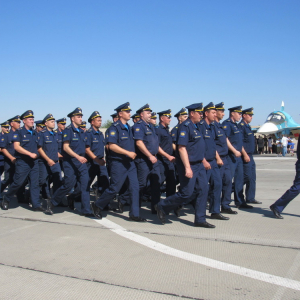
<point x="112" y="133"/>
<point x="137" y="129"/>
<point x="225" y="127"/>
<point x="182" y="133"/>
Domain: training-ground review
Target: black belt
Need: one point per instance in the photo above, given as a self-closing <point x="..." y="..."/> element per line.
<point x="195" y="162"/>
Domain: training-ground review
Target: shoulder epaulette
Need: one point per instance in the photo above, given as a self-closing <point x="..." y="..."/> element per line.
<point x="20" y="128"/>
<point x="89" y="130"/>
<point x="242" y="123"/>
<point x="55" y="130"/>
<point x="201" y="122"/>
<point x="68" y="127"/>
<point x="116" y="124"/>
<point x="43" y="130"/>
<point x="186" y="123"/>
<point x="139" y="122"/>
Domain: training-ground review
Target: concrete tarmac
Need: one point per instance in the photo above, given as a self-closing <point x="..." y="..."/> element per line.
<point x="68" y="256"/>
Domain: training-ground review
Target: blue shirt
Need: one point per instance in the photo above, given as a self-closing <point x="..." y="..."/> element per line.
<point x="298" y="149"/>
<point x="220" y="139"/>
<point x="248" y="137"/>
<point x="174" y="133"/>
<point x="2" y="142"/>
<point x="59" y="140"/>
<point x="165" y="139"/>
<point x="208" y="133"/>
<point x="118" y="134"/>
<point x="28" y="140"/>
<point x="48" y="140"/>
<point x="77" y="139"/>
<point x="190" y="136"/>
<point x="96" y="141"/>
<point x="146" y="133"/>
<point x="9" y="144"/>
<point x="233" y="133"/>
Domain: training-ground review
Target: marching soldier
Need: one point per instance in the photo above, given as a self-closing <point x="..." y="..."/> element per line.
<point x="135" y="118"/>
<point x="235" y="146"/>
<point x="224" y="167"/>
<point x="48" y="150"/>
<point x="121" y="144"/>
<point x="75" y="168"/>
<point x="25" y="144"/>
<point x="249" y="166"/>
<point x="192" y="175"/>
<point x="166" y="161"/>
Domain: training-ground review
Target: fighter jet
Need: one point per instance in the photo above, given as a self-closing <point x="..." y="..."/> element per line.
<point x="279" y="123"/>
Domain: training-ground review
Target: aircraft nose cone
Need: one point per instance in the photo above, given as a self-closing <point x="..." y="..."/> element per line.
<point x="267" y="128"/>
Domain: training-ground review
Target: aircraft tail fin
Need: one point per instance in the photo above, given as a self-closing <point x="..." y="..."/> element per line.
<point x="282" y="106"/>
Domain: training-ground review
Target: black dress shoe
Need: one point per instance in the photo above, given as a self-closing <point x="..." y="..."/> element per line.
<point x="177" y="211"/>
<point x="40" y="208"/>
<point x="161" y="215"/>
<point x="276" y="212"/>
<point x="62" y="205"/>
<point x="218" y="217"/>
<point x="121" y="207"/>
<point x="88" y="215"/>
<point x="205" y="225"/>
<point x="255" y="202"/>
<point x="137" y="219"/>
<point x="96" y="211"/>
<point x="4" y="204"/>
<point x="71" y="202"/>
<point x="244" y="205"/>
<point x="50" y="207"/>
<point x="228" y="211"/>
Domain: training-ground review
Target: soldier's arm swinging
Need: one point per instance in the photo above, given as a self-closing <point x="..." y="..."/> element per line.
<point x="69" y="151"/>
<point x="42" y="153"/>
<point x="115" y="148"/>
<point x="145" y="151"/>
<point x="185" y="160"/>
<point x="21" y="150"/>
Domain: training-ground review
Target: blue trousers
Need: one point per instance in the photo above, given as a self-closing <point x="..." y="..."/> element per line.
<point x="284" y="150"/>
<point x="236" y="167"/>
<point x="189" y="189"/>
<point x="290" y="194"/>
<point x="1" y="171"/>
<point x="250" y="179"/>
<point x="26" y="169"/>
<point x="215" y="181"/>
<point x="9" y="171"/>
<point x="225" y="174"/>
<point x="121" y="172"/>
<point x="48" y="174"/>
<point x="167" y="173"/>
<point x="74" y="171"/>
<point x="101" y="173"/>
<point x="146" y="170"/>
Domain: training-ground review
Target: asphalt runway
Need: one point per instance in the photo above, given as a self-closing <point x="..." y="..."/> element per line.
<point x="67" y="256"/>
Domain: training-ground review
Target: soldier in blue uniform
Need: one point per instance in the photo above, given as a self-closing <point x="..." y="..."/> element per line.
<point x="25" y="144"/>
<point x="249" y="166"/>
<point x="192" y="175"/>
<point x="135" y="118"/>
<point x="166" y="158"/>
<point x="278" y="207"/>
<point x="235" y="146"/>
<point x="4" y="131"/>
<point x="75" y="168"/>
<point x="122" y="149"/>
<point x="48" y="150"/>
<point x="147" y="147"/>
<point x="61" y="125"/>
<point x="10" y="156"/>
<point x="181" y="117"/>
<point x="39" y="126"/>
<point x="114" y="117"/>
<point x="83" y="126"/>
<point x="95" y="145"/>
<point x="224" y="167"/>
<point x="211" y="161"/>
<point x="153" y="118"/>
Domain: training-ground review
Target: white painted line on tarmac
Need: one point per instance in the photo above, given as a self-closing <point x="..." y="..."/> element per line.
<point x="280" y="281"/>
<point x="275" y="157"/>
<point x="281" y="170"/>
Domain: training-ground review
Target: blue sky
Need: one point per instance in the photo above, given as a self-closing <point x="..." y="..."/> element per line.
<point x="57" y="55"/>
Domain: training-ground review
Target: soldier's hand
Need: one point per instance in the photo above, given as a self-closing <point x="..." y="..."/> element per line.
<point x="220" y="162"/>
<point x="206" y="165"/>
<point x="100" y="161"/>
<point x="189" y="172"/>
<point x="33" y="155"/>
<point x="13" y="160"/>
<point x="51" y="163"/>
<point x="132" y="155"/>
<point x="82" y="159"/>
<point x="237" y="154"/>
<point x="171" y="158"/>
<point x="246" y="158"/>
<point x="153" y="159"/>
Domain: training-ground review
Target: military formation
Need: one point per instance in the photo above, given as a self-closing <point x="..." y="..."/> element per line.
<point x="200" y="162"/>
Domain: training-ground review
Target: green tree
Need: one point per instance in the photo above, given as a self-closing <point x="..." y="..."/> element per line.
<point x="106" y="124"/>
